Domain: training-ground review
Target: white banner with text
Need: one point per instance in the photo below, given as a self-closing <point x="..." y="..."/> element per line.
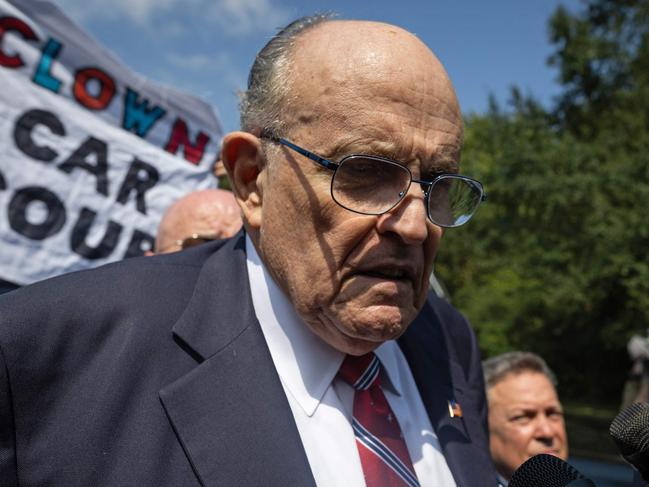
<point x="91" y="153"/>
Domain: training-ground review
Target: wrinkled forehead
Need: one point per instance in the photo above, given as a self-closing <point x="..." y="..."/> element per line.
<point x="360" y="47"/>
<point x="526" y="383"/>
<point x="340" y="70"/>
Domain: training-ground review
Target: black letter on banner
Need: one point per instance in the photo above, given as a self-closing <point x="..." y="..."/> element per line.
<point x="3" y="182"/>
<point x="80" y="233"/>
<point x="23" y="133"/>
<point x="135" y="247"/>
<point x="141" y="177"/>
<point x="18" y="213"/>
<point x="99" y="170"/>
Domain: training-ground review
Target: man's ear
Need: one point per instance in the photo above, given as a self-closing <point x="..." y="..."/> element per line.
<point x="243" y="159"/>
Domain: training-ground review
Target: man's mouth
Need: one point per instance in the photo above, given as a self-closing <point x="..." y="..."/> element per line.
<point x="391" y="273"/>
<point x="388" y="274"/>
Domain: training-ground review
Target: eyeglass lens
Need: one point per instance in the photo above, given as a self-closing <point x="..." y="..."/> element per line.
<point x="452" y="200"/>
<point x="368" y="185"/>
<point x="374" y="186"/>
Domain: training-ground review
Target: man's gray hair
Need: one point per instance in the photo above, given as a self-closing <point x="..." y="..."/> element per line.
<point x="262" y="103"/>
<point x="496" y="368"/>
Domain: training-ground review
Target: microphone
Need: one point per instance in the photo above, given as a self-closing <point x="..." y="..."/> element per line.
<point x="548" y="471"/>
<point x="630" y="430"/>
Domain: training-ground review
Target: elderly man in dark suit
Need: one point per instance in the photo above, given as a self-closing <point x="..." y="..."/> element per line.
<point x="303" y="351"/>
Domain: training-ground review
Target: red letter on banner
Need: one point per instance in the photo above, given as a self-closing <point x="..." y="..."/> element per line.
<point x="88" y="100"/>
<point x="8" y="24"/>
<point x="193" y="152"/>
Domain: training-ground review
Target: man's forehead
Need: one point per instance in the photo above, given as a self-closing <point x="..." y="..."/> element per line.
<point x="357" y="49"/>
<point x="339" y="67"/>
<point x="338" y="33"/>
<point x="526" y="382"/>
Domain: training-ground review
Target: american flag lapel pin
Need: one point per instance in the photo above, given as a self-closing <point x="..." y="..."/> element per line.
<point x="454" y="409"/>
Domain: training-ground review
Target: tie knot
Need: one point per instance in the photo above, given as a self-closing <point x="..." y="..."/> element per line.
<point x="362" y="371"/>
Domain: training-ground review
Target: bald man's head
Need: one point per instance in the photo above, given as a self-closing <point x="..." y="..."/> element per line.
<point x="356" y="64"/>
<point x="319" y="174"/>
<point x="210" y="213"/>
<point x="347" y="51"/>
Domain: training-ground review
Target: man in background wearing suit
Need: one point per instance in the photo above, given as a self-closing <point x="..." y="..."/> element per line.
<point x="525" y="415"/>
<point x="305" y="350"/>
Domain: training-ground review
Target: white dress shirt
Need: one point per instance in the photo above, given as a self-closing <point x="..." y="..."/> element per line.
<point x="322" y="403"/>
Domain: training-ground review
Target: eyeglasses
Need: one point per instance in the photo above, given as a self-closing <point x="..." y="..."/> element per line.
<point x="372" y="185"/>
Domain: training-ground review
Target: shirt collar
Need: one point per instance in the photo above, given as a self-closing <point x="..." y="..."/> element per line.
<point x="388" y="356"/>
<point x="306" y="365"/>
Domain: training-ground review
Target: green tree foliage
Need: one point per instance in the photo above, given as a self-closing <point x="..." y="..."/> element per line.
<point x="603" y="61"/>
<point x="556" y="260"/>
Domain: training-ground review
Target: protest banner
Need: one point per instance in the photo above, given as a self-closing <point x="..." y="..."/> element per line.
<point x="91" y="153"/>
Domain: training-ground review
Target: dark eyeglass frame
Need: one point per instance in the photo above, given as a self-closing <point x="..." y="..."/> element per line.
<point x="333" y="166"/>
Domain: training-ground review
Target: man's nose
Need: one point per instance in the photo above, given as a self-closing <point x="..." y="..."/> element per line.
<point x="408" y="219"/>
<point x="545" y="428"/>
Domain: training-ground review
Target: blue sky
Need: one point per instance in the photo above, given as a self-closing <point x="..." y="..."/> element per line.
<point x="206" y="46"/>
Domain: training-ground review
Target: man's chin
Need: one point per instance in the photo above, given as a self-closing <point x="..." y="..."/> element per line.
<point x="377" y="324"/>
<point x="359" y="327"/>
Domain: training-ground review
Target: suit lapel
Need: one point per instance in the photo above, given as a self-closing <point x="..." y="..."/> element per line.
<point x="425" y="348"/>
<point x="230" y="412"/>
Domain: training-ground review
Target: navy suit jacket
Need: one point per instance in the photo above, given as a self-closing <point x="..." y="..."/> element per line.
<point x="155" y="372"/>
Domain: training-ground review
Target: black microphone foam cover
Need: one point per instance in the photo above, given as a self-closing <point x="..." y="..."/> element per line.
<point x="548" y="471"/>
<point x="630" y="430"/>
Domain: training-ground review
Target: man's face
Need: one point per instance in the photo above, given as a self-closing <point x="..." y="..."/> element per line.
<point x="357" y="280"/>
<point x="525" y="419"/>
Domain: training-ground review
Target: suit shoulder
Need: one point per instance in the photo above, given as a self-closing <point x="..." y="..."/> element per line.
<point x="446" y="313"/>
<point x="134" y="297"/>
<point x="458" y="333"/>
<point x="77" y="288"/>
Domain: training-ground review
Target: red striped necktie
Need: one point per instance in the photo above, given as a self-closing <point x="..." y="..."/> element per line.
<point x="382" y="449"/>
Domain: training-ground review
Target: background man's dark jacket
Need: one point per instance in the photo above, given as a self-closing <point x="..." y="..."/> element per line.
<point x="154" y="372"/>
